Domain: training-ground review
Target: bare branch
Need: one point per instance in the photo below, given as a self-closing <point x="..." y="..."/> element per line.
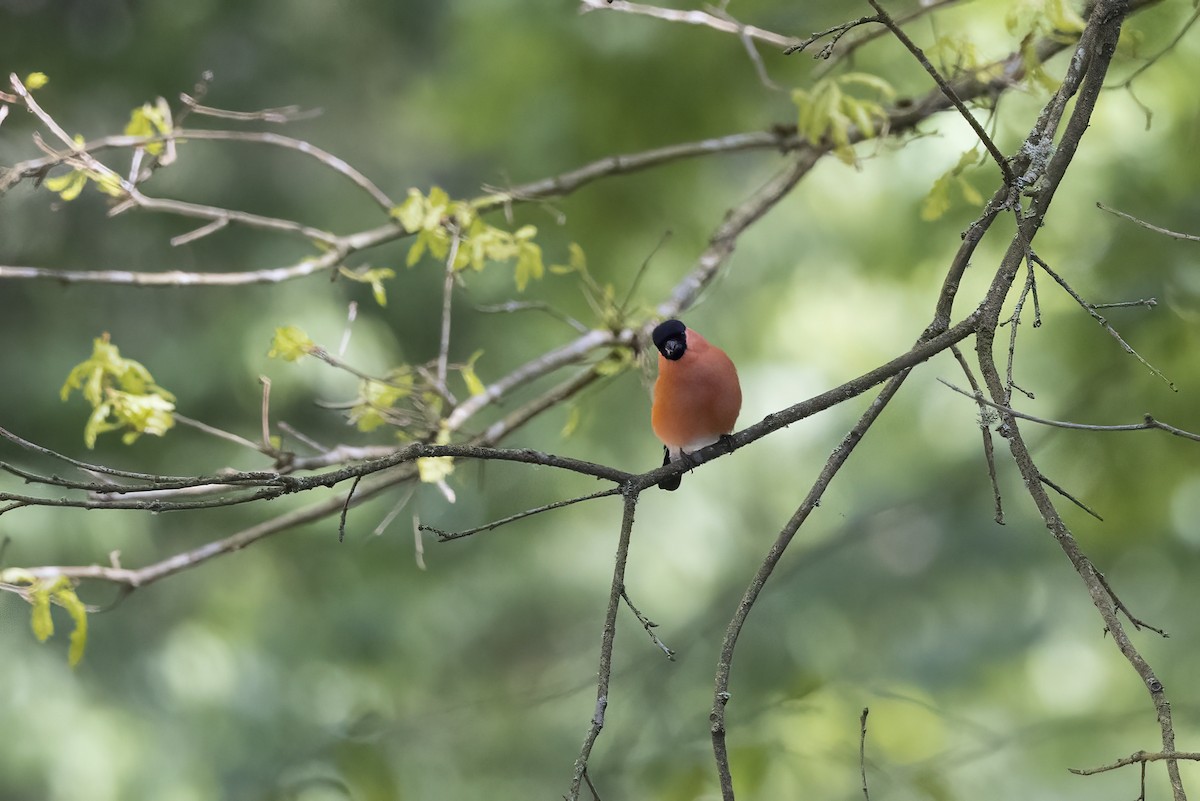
<point x="1140" y="757"/>
<point x="690" y="18"/>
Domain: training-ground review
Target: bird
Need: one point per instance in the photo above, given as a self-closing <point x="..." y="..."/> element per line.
<point x="697" y="396"/>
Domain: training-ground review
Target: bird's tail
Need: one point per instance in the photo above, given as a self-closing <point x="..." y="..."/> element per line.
<point x="669" y="484"/>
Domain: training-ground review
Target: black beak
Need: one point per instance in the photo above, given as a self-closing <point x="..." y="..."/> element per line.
<point x="673" y="349"/>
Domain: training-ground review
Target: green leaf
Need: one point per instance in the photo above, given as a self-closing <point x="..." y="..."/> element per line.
<point x="290" y="343"/>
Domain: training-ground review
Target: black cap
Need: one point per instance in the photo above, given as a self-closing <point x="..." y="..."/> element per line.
<point x="667" y="330"/>
<point x="670" y="339"/>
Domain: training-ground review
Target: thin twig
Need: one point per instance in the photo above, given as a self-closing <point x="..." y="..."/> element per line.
<point x="1140" y="757"/>
<point x="836" y="32"/>
<point x="1070" y="497"/>
<point x="1137" y="623"/>
<point x="862" y="751"/>
<point x="446" y="536"/>
<point x="87" y="466"/>
<point x="1091" y="310"/>
<point x="508" y="307"/>
<point x="649" y="625"/>
<point x="280" y="115"/>
<point x="1148" y="422"/>
<point x="1156" y="229"/>
<point x="989" y="454"/>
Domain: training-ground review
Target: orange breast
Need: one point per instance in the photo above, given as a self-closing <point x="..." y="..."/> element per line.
<point x="697" y="398"/>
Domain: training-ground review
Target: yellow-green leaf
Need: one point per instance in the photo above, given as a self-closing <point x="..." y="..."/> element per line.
<point x="376" y="398"/>
<point x="36" y="80"/>
<point x="68" y="185"/>
<point x="66" y="597"/>
<point x="43" y="624"/>
<point x="937" y="201"/>
<point x="474" y="385"/>
<point x="529" y="264"/>
<point x="436" y="469"/>
<point x="375" y="276"/>
<point x="290" y="343"/>
<point x="410" y="212"/>
<point x="150" y="120"/>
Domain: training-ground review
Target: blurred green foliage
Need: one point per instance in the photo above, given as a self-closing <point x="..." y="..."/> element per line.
<point x="304" y="669"/>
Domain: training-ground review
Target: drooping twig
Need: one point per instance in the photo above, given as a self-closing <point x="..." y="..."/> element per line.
<point x="649" y="625"/>
<point x="989" y="454"/>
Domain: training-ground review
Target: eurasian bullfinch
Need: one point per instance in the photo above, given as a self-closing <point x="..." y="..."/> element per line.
<point x="697" y="396"/>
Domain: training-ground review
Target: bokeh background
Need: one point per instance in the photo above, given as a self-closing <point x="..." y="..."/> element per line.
<point x="302" y="668"/>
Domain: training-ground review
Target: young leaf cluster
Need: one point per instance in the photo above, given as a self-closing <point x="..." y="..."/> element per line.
<point x="122" y="393"/>
<point x="439" y="221"/>
<point x="828" y="110"/>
